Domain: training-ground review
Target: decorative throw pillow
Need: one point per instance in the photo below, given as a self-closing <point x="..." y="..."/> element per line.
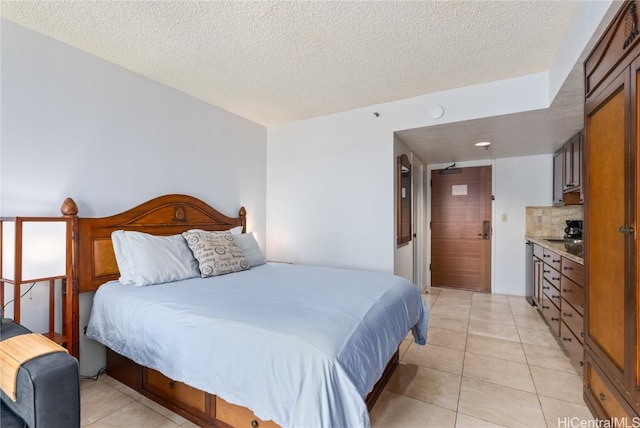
<point x="216" y="252"/>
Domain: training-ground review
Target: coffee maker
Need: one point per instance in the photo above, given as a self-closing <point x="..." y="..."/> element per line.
<point x="573" y="229"/>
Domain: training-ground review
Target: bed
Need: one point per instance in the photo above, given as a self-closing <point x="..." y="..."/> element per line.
<point x="274" y="345"/>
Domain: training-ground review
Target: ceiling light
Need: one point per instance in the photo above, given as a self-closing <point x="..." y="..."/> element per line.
<point x="436" y="112"/>
<point x="484" y="144"/>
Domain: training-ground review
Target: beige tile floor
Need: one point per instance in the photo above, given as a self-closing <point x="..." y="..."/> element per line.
<point x="490" y="361"/>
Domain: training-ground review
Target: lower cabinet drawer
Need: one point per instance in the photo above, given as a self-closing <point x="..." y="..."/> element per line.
<point x="551" y="292"/>
<point x="572" y="319"/>
<point x="178" y="392"/>
<point x="551" y="313"/>
<point x="551" y="258"/>
<point x="573" y="270"/>
<point x="552" y="276"/>
<point x="239" y="417"/>
<point x="571" y="343"/>
<point x="601" y="396"/>
<point x="572" y="293"/>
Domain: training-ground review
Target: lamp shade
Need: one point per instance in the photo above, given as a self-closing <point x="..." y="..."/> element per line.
<point x="35" y="246"/>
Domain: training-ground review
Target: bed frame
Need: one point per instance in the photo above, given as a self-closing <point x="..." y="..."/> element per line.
<point x="94" y="264"/>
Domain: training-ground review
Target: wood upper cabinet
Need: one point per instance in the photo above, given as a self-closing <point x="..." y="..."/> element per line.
<point x="572" y="153"/>
<point x="558" y="164"/>
<point x="567" y="172"/>
<point x="612" y="73"/>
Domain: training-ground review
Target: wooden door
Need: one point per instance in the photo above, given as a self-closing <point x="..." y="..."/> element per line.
<point x="461" y="228"/>
<point x="606" y="116"/>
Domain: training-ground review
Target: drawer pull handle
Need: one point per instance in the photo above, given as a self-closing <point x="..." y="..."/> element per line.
<point x="172" y="384"/>
<point x="554" y="296"/>
<point x="254" y="424"/>
<point x="567" y="267"/>
<point x="566" y="339"/>
<point x="545" y="307"/>
<point x="602" y="397"/>
<point x="545" y="287"/>
<point x="553" y="278"/>
<point x="564" y="314"/>
<point x="566" y="290"/>
<point x="546" y="255"/>
<point x="582" y="334"/>
<point x="555" y="319"/>
<point x="581" y="363"/>
<point x="546" y="271"/>
<point x="555" y="261"/>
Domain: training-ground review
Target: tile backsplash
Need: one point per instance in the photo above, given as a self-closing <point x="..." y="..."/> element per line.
<point x="550" y="221"/>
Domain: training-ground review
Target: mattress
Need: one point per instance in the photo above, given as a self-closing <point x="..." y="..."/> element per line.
<point x="299" y="345"/>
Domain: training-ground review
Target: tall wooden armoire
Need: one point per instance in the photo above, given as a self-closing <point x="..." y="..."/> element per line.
<point x="612" y="86"/>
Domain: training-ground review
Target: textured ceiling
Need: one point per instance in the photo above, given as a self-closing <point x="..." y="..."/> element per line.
<point x="278" y="62"/>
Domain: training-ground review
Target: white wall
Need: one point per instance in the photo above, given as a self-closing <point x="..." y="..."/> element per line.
<point x="518" y="182"/>
<point x="330" y="179"/>
<point x="329" y="192"/>
<point x="75" y="125"/>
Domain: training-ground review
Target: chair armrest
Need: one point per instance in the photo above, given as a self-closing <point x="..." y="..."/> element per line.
<point x="47" y="389"/>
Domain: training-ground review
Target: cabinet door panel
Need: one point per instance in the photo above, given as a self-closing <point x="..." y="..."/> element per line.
<point x="604" y="213"/>
<point x="608" y="403"/>
<point x="576" y="158"/>
<point x="537" y="281"/>
<point x="558" y="170"/>
<point x="568" y="165"/>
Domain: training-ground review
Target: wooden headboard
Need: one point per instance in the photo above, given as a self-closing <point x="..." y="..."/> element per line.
<point x="94" y="260"/>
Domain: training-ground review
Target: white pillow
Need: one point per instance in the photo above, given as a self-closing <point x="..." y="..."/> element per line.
<point x="236" y="230"/>
<point x="124" y="259"/>
<point x="250" y="248"/>
<point x="150" y="259"/>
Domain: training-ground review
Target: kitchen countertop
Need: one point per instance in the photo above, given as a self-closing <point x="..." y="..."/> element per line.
<point x="571" y="251"/>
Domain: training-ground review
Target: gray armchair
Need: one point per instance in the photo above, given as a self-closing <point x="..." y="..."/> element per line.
<point x="48" y="389"/>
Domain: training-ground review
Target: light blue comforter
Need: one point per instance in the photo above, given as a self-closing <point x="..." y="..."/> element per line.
<point x="300" y="345"/>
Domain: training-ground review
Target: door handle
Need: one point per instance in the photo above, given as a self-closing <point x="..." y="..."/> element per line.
<point x="486" y="230"/>
<point x="627" y="230"/>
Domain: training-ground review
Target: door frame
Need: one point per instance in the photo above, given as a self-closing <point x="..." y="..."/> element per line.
<point x="419" y="224"/>
<point x="427" y="234"/>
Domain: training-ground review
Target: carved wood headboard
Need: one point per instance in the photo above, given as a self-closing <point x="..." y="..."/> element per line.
<point x="94" y="261"/>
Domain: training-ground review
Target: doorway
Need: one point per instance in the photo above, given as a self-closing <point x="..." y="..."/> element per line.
<point x="461" y="228"/>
